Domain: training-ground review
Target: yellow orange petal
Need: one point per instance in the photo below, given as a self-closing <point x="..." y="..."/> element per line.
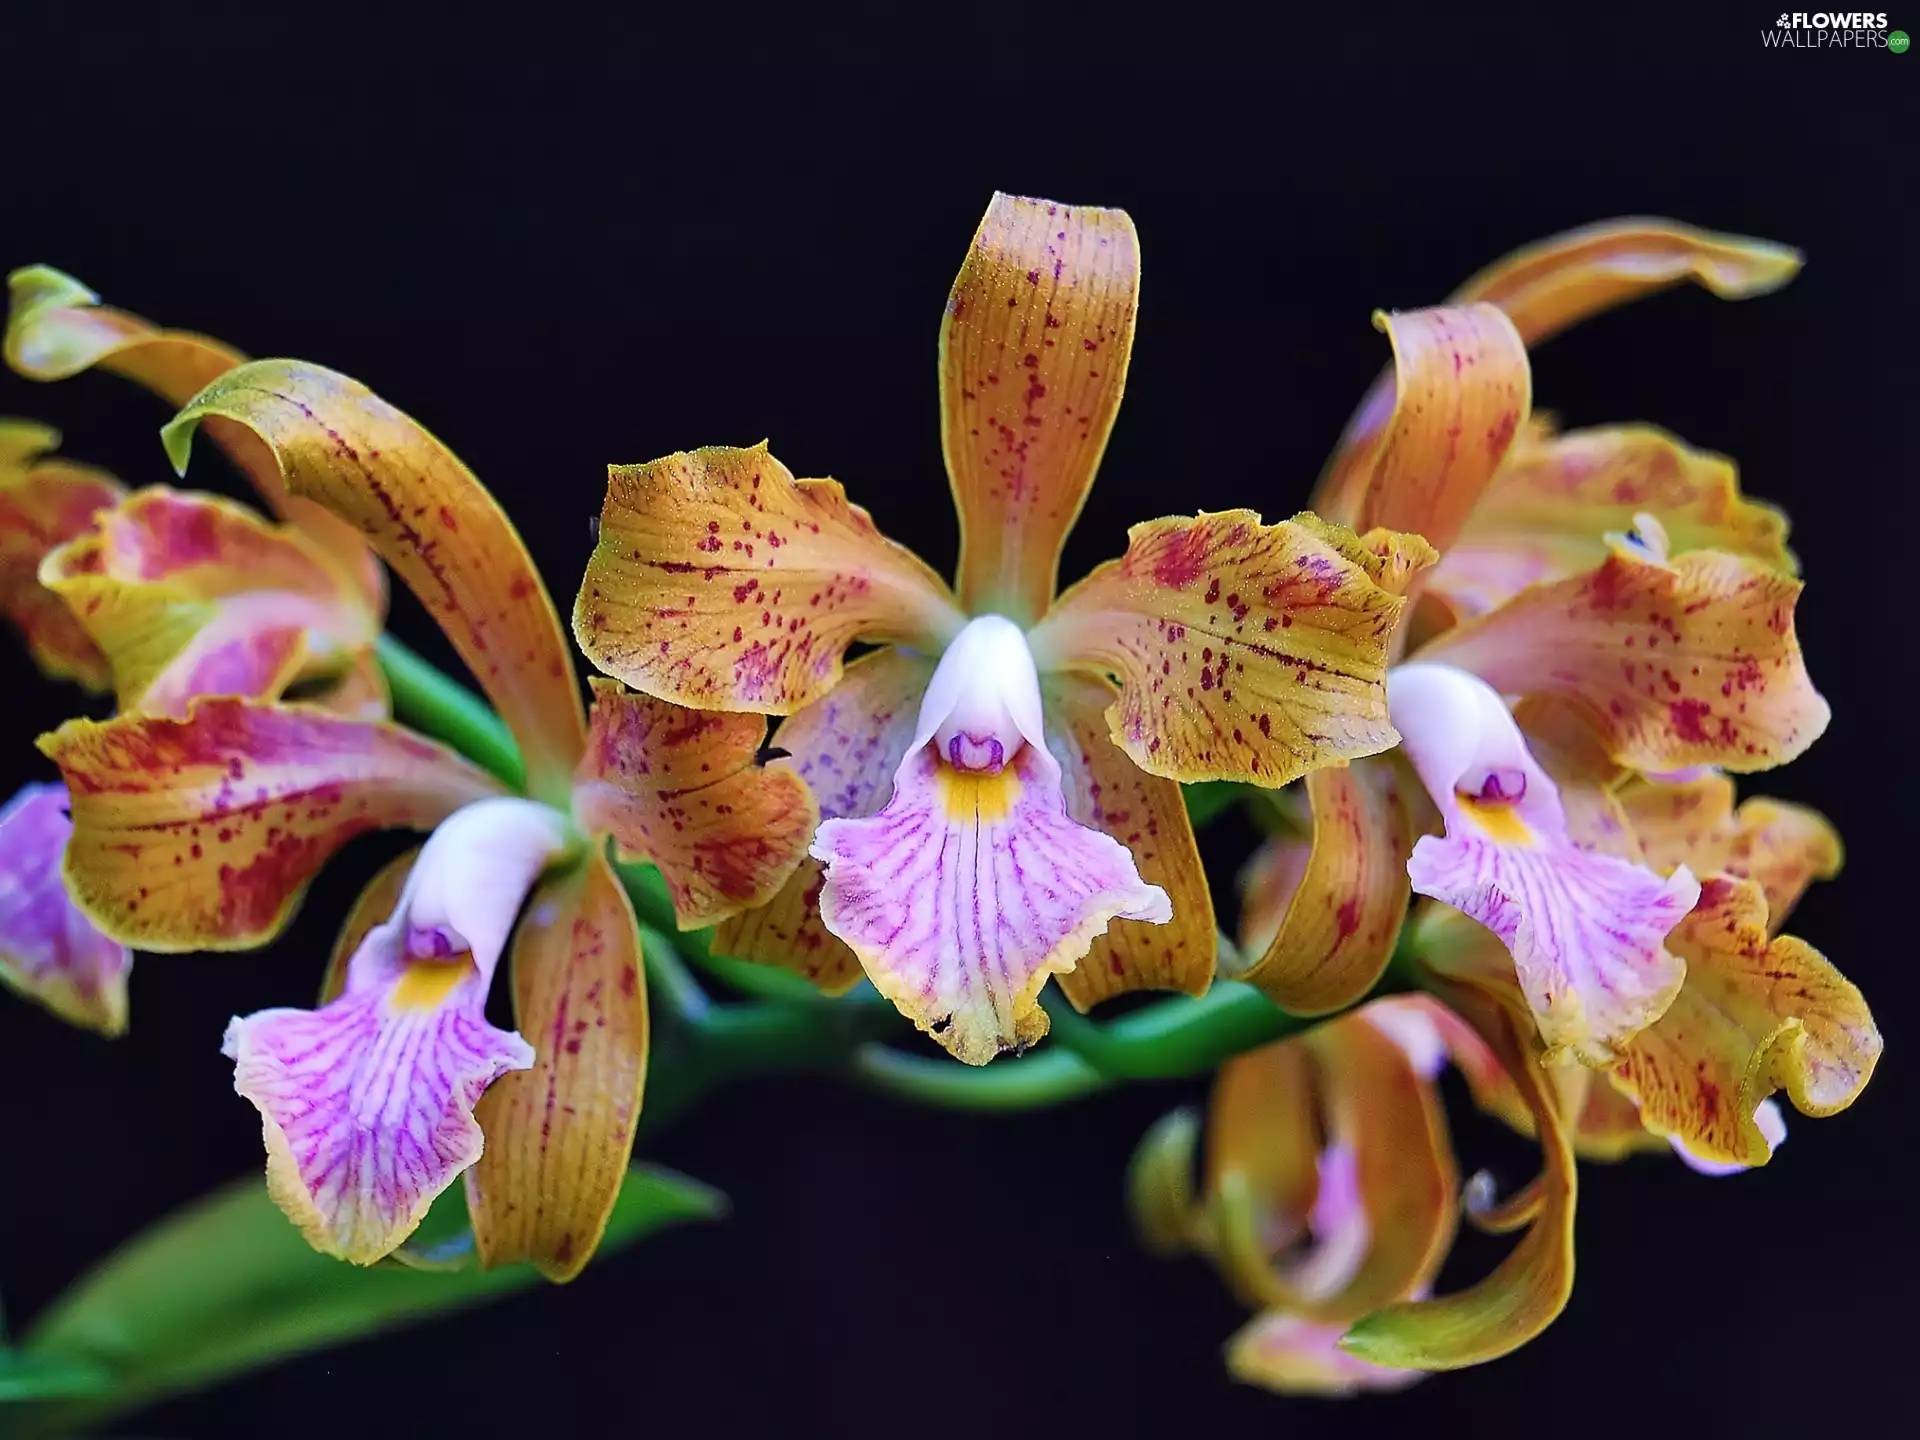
<point x="1463" y="390"/>
<point x="1263" y="1134"/>
<point x="343" y="447"/>
<point x="684" y="790"/>
<point x="1344" y="913"/>
<point x="1557" y="282"/>
<point x="1530" y="1286"/>
<point x="846" y="746"/>
<point x="200" y="834"/>
<point x="57" y="328"/>
<point x="1033" y="360"/>
<point x="721" y="581"/>
<point x="1147" y="814"/>
<point x="44" y="503"/>
<point x="1244" y="651"/>
<point x="1547" y="513"/>
<point x="1756" y="1015"/>
<point x="559" y="1135"/>
<point x="191" y="595"/>
<point x="1692" y="661"/>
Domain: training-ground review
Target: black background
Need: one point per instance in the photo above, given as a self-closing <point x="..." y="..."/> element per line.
<point x="560" y="246"/>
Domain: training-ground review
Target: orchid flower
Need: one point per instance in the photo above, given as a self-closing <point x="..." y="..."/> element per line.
<point x="1330" y="1197"/>
<point x="993" y="801"/>
<point x="1630" y="652"/>
<point x="158" y="596"/>
<point x="198" y="831"/>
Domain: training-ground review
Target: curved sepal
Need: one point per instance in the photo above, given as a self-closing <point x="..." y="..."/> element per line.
<point x="720" y="581"/>
<point x="1033" y="360"/>
<point x="1757" y="1014"/>
<point x="684" y="789"/>
<point x="1462" y="392"/>
<point x="201" y="833"/>
<point x="1244" y="651"/>
<point x="1529" y="1288"/>
<point x="559" y="1135"/>
<point x="1337" y="922"/>
<point x="342" y="447"/>
<point x="1148" y="815"/>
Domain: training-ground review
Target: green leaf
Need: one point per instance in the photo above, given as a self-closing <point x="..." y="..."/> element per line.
<point x="49" y="1377"/>
<point x="228" y="1284"/>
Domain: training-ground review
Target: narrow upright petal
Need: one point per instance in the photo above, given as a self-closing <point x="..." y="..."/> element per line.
<point x="1547" y="514"/>
<point x="49" y="951"/>
<point x="1689" y="661"/>
<point x="721" y="581"/>
<point x="558" y="1136"/>
<point x="1244" y="651"/>
<point x="1585" y="929"/>
<point x="1758" y="1014"/>
<point x="57" y="328"/>
<point x="367" y="1104"/>
<point x="190" y="595"/>
<point x="1033" y="360"/>
<point x="43" y="504"/>
<point x="685" y="790"/>
<point x="342" y="447"/>
<point x="1462" y="392"/>
<point x="845" y="746"/>
<point x="973" y="884"/>
<point x="200" y="834"/>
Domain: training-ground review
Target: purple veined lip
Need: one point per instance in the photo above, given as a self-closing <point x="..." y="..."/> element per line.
<point x="433" y="942"/>
<point x="1500" y="783"/>
<point x="976" y="752"/>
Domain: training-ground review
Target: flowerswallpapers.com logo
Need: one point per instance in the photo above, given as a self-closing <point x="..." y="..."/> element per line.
<point x="1833" y="30"/>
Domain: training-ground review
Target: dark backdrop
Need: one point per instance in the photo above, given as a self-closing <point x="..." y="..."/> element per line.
<point x="561" y="248"/>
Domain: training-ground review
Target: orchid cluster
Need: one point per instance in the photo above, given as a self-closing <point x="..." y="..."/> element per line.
<point x="1485" y="697"/>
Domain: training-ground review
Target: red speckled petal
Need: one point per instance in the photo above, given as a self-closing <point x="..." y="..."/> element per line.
<point x="49" y="951"/>
<point x="342" y="446"/>
<point x="1549" y="511"/>
<point x="200" y="834"/>
<point x="1686" y="662"/>
<point x="1339" y="918"/>
<point x="1244" y="651"/>
<point x="191" y="595"/>
<point x="43" y="504"/>
<point x="1558" y="282"/>
<point x="57" y="328"/>
<point x="1463" y="390"/>
<point x="684" y="789"/>
<point x="1756" y="1015"/>
<point x="845" y="746"/>
<point x="1033" y="360"/>
<point x="722" y="582"/>
<point x="558" y="1135"/>
<point x="1148" y="815"/>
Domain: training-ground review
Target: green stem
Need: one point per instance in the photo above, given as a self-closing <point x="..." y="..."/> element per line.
<point x="436" y="704"/>
<point x="1049" y="1077"/>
